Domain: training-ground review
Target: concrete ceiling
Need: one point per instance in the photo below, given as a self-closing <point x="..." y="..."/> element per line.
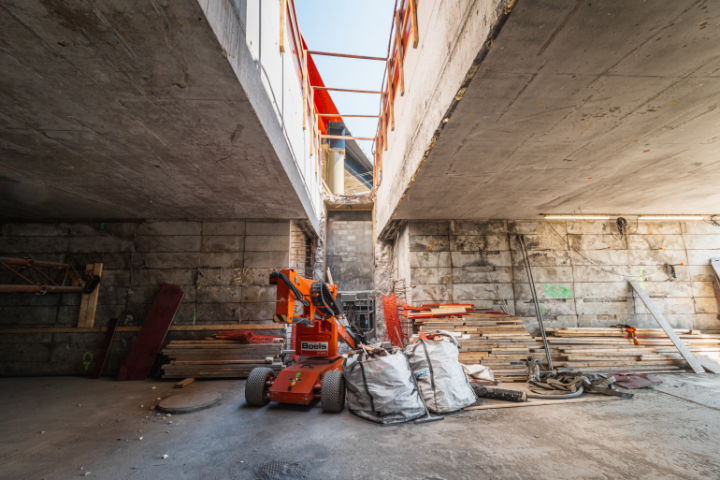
<point x="128" y="109"/>
<point x="595" y="106"/>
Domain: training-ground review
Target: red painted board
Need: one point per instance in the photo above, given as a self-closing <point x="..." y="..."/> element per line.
<point x="152" y="333"/>
<point x="102" y="358"/>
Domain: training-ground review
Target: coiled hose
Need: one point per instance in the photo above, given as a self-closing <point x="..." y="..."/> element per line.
<point x="558" y="397"/>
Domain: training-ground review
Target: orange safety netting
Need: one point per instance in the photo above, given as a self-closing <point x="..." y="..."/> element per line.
<point x="392" y="322"/>
<point x="247" y="336"/>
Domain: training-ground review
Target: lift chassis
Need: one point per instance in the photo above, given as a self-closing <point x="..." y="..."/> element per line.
<point x="317" y="331"/>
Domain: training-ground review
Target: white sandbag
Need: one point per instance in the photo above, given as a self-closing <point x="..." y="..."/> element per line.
<point x="479" y="372"/>
<point x="440" y="376"/>
<point x="380" y="388"/>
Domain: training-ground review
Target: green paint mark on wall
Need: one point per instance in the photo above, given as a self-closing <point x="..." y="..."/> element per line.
<point x="87" y="360"/>
<point x="557" y="291"/>
<point x="641" y="278"/>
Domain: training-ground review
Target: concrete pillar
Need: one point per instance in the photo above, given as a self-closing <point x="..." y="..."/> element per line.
<point x="337" y="160"/>
<point x="337" y="157"/>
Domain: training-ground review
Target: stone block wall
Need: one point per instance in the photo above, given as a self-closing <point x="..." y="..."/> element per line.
<point x="350" y="249"/>
<point x="300" y="251"/>
<point x="581" y="269"/>
<point x="222" y="266"/>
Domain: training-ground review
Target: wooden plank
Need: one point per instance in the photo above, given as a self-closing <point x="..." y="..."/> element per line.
<point x="283" y="12"/>
<point x="535" y="403"/>
<point x="152" y="333"/>
<point x="414" y="23"/>
<point x="212" y="356"/>
<point x="105" y="350"/>
<point x="305" y="84"/>
<point x="708" y="363"/>
<point x="448" y="311"/>
<point x="184" y="383"/>
<point x="399" y="55"/>
<point x="135" y="329"/>
<point x="214" y="341"/>
<point x="715" y="264"/>
<point x="85" y="300"/>
<point x="689" y="356"/>
<point x="346" y="55"/>
<point x="222" y="362"/>
<point x="93" y="298"/>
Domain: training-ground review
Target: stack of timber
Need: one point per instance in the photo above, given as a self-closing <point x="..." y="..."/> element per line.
<point x="213" y="358"/>
<point x="607" y="350"/>
<point x="498" y="341"/>
<point x="437" y="310"/>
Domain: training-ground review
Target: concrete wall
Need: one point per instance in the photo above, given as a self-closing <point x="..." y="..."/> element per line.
<point x="222" y="266"/>
<point x="581" y="269"/>
<point x="350" y="249"/>
<point x="249" y="32"/>
<point x="452" y="32"/>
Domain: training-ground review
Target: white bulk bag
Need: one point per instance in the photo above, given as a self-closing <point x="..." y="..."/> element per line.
<point x="380" y="388"/>
<point x="440" y="376"/>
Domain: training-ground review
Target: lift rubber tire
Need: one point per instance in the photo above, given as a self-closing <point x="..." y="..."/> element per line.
<point x="256" y="394"/>
<point x="332" y="392"/>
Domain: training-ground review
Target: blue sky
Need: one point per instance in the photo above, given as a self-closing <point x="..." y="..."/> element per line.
<point x="354" y="27"/>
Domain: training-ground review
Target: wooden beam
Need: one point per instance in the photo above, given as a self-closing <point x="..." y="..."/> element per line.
<point x="152" y="333"/>
<point x="221" y="362"/>
<point x="345" y="55"/>
<point x="391" y="93"/>
<point x="283" y="12"/>
<point x="184" y="383"/>
<point x="105" y="350"/>
<point x="689" y="356"/>
<point x="708" y="363"/>
<point x="534" y="403"/>
<point x="342" y="115"/>
<point x="88" y="301"/>
<point x="399" y="54"/>
<point x="346" y="137"/>
<point x="312" y="122"/>
<point x="414" y="23"/>
<point x="256" y="326"/>
<point x="350" y="90"/>
<point x="305" y="84"/>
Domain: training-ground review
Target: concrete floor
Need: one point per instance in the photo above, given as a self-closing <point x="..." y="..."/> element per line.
<point x="95" y="425"/>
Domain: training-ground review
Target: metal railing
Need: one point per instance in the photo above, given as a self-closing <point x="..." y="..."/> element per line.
<point x="403" y="32"/>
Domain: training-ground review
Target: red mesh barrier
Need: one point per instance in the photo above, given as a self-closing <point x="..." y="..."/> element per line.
<point x="392" y="322"/>
<point x="247" y="336"/>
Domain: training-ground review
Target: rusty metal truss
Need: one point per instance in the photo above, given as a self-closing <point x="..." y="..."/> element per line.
<point x="25" y="275"/>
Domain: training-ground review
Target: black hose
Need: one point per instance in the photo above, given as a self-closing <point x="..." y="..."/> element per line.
<point x="558" y="397"/>
<point x="291" y="286"/>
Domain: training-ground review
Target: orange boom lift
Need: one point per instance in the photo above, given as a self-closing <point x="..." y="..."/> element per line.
<point x="317" y="331"/>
